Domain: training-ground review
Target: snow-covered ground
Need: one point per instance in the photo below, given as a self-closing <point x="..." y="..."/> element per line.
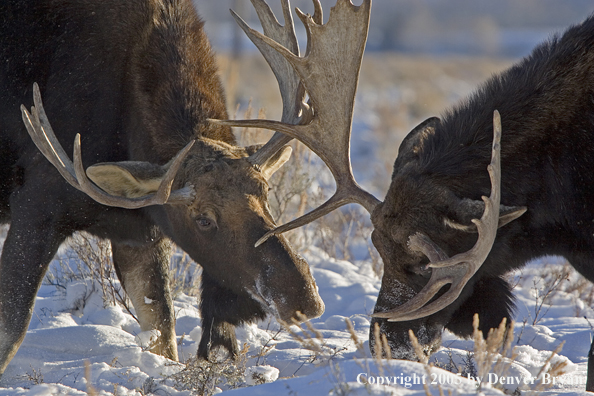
<point x="71" y="328"/>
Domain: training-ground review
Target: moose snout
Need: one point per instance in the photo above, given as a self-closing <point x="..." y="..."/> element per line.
<point x="310" y="307"/>
<point x="305" y="302"/>
<point x="303" y="312"/>
<point x="288" y="286"/>
<point x="296" y="304"/>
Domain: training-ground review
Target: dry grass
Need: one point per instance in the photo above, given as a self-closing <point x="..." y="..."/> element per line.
<point x="424" y="359"/>
<point x="184" y="274"/>
<point x="554" y="278"/>
<point x="91" y="391"/>
<point x="203" y="377"/>
<point x="494" y="356"/>
<point x="88" y="258"/>
<point x="312" y="340"/>
<point x="564" y="278"/>
<point x="34" y="376"/>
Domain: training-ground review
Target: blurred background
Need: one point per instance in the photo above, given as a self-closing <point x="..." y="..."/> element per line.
<point x="422" y="57"/>
<point x="474" y="27"/>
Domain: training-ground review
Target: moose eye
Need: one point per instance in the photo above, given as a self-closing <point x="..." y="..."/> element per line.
<point x="204" y="222"/>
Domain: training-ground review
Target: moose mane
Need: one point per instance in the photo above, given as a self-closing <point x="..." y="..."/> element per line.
<point x="533" y="92"/>
<point x="187" y="95"/>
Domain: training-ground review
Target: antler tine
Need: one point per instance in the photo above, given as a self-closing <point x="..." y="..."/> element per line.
<point x="333" y="203"/>
<point x="162" y="196"/>
<point x="291" y="89"/>
<point x="43" y="136"/>
<point x="346" y="193"/>
<point x="330" y="74"/>
<point x="415" y="308"/>
<point x="458" y="269"/>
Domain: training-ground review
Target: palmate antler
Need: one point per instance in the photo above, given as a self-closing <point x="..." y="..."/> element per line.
<point x="291" y="89"/>
<point x="44" y="138"/>
<point x="460" y="268"/>
<point x="330" y="73"/>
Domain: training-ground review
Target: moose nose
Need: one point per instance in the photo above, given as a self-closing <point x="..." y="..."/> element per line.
<point x="300" y="306"/>
<point x="288" y="284"/>
<point x="313" y="307"/>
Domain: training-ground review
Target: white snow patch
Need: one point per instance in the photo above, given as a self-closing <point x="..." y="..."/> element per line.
<point x="72" y="326"/>
<point x="258" y="375"/>
<point x="147" y="338"/>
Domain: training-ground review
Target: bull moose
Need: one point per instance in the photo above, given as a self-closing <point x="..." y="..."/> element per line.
<point x="547" y="118"/>
<point x="504" y="177"/>
<point x="137" y="80"/>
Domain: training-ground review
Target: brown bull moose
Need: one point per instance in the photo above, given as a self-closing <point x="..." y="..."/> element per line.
<point x="134" y="82"/>
<point x="474" y="195"/>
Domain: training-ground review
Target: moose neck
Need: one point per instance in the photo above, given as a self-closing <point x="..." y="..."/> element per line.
<point x="533" y="121"/>
<point x="175" y="85"/>
<point x="545" y="143"/>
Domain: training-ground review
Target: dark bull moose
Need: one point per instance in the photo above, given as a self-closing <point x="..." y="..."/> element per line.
<point x="445" y="246"/>
<point x="137" y="79"/>
<point x="546" y="105"/>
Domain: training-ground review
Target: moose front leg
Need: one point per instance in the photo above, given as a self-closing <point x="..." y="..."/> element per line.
<point x="216" y="332"/>
<point x="143" y="271"/>
<point x="221" y="311"/>
<point x="30" y="245"/>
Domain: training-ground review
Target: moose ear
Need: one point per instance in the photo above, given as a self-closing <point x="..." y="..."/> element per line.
<point x="276" y="161"/>
<point x="130" y="179"/>
<point x="469" y="209"/>
<point x="414" y="140"/>
<point x="508" y="214"/>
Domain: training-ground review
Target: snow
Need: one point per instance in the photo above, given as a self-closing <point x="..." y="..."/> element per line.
<point x="257" y="375"/>
<point x="146" y="338"/>
<point x="71" y="328"/>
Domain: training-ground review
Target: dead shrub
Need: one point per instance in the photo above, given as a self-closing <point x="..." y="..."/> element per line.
<point x="203" y="377"/>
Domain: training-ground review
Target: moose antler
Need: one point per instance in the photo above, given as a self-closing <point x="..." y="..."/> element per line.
<point x="458" y="269"/>
<point x="330" y="73"/>
<point x="44" y="138"/>
<point x="291" y="90"/>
